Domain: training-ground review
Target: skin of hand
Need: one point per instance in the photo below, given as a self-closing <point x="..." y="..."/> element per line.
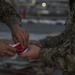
<point x="32" y="53"/>
<point x="5" y="49"/>
<point x="19" y="35"/>
<point x="35" y="42"/>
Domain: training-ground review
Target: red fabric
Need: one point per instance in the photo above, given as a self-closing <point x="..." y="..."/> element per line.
<point x="20" y="49"/>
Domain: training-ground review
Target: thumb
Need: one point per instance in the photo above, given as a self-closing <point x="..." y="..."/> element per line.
<point x="8" y="42"/>
<point x="24" y="55"/>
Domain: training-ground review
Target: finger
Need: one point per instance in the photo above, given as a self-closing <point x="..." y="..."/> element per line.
<point x="20" y="39"/>
<point x="24" y="55"/>
<point x="30" y="46"/>
<point x="8" y="42"/>
<point x="25" y="39"/>
<point x="33" y="42"/>
<point x="15" y="39"/>
<point x="9" y="53"/>
<point x="11" y="49"/>
<point x="26" y="33"/>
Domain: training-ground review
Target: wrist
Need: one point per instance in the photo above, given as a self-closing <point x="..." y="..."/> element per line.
<point x="16" y="26"/>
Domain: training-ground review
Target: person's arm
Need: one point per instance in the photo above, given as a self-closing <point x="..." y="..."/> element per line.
<point x="51" y="42"/>
<point x="8" y="14"/>
<point x="63" y="55"/>
<point x="56" y="40"/>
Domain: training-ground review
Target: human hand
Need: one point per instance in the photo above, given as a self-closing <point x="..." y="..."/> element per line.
<point x="35" y="42"/>
<point x="19" y="35"/>
<point x="5" y="49"/>
<point x="32" y="53"/>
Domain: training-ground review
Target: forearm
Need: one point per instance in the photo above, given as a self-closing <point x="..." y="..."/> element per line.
<point x="51" y="41"/>
<point x="9" y="14"/>
<point x="57" y="40"/>
<point x="58" y="57"/>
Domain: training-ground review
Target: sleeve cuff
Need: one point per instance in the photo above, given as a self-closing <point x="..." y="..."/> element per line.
<point x="13" y="21"/>
<point x="42" y="42"/>
<point x="45" y="57"/>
